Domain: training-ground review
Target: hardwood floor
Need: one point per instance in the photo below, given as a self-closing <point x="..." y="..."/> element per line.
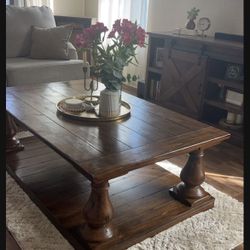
<point x="11" y="243"/>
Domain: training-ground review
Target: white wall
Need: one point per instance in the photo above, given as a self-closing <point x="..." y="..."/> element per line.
<point x="91" y="8"/>
<point x="225" y="15"/>
<point x="74" y="8"/>
<point x="165" y="15"/>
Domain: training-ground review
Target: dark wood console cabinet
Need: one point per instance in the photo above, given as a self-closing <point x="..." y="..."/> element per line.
<point x="193" y="75"/>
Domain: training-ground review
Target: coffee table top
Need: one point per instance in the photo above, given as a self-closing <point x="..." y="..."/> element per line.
<point x="106" y="150"/>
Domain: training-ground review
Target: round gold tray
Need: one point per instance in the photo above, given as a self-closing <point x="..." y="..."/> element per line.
<point x="92" y="116"/>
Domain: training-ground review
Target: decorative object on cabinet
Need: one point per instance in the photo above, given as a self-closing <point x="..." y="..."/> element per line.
<point x="234" y="72"/>
<point x="234" y="97"/>
<point x="229" y="37"/>
<point x="203" y="24"/>
<point x="229" y="126"/>
<point x="231" y="117"/>
<point x="239" y="119"/>
<point x="186" y="32"/>
<point x="192" y="14"/>
<point x="233" y="121"/>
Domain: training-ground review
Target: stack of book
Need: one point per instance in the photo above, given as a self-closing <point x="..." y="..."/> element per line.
<point x="154" y="92"/>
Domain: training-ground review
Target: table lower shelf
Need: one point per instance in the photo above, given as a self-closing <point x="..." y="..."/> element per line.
<point x="141" y="201"/>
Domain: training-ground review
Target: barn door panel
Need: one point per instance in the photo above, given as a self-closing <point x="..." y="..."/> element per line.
<point x="182" y="82"/>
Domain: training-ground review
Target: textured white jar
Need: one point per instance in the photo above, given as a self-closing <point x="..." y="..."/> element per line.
<point x="239" y="119"/>
<point x="230" y="118"/>
<point x="109" y="105"/>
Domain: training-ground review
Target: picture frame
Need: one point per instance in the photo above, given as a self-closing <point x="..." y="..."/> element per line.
<point x="234" y="97"/>
<point x="159" y="57"/>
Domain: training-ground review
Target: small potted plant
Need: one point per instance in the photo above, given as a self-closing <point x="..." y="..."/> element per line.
<point x="192" y="14"/>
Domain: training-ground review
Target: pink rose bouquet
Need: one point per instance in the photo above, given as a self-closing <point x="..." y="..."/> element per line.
<point x="109" y="61"/>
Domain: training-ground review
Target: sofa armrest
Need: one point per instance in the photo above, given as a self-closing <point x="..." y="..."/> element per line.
<point x="72" y="51"/>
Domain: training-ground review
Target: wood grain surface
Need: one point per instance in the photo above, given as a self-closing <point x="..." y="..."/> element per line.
<point x="141" y="202"/>
<point x="152" y="133"/>
<point x="101" y="152"/>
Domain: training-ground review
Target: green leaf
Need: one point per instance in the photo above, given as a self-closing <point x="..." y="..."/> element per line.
<point x="134" y="78"/>
<point x="129" y="77"/>
<point x="117" y="74"/>
<point x="113" y="85"/>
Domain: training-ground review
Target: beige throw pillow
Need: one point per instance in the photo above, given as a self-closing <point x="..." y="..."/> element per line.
<point x="18" y="27"/>
<point x="50" y="43"/>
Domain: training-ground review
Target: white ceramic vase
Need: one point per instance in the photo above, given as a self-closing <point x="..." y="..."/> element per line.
<point x="109" y="105"/>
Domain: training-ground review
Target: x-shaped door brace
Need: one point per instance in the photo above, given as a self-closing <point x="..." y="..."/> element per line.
<point x="180" y="81"/>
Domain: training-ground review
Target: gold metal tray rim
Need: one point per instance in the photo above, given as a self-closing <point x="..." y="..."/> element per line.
<point x="78" y="115"/>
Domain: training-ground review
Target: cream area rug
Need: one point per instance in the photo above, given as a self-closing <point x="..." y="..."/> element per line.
<point x="219" y="228"/>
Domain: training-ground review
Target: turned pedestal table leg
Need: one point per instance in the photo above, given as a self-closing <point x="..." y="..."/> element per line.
<point x="192" y="175"/>
<point x="12" y="144"/>
<point x="98" y="214"/>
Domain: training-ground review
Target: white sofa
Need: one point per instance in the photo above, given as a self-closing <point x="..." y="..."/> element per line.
<point x="20" y="67"/>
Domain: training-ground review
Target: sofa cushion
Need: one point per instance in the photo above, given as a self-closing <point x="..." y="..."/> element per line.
<point x="22" y="70"/>
<point x="18" y="27"/>
<point x="72" y="51"/>
<point x="50" y="43"/>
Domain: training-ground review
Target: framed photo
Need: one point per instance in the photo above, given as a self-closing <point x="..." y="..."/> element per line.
<point x="159" y="57"/>
<point x="234" y="97"/>
<point x="234" y="72"/>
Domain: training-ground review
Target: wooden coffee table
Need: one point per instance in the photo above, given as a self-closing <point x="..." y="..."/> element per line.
<point x="66" y="157"/>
